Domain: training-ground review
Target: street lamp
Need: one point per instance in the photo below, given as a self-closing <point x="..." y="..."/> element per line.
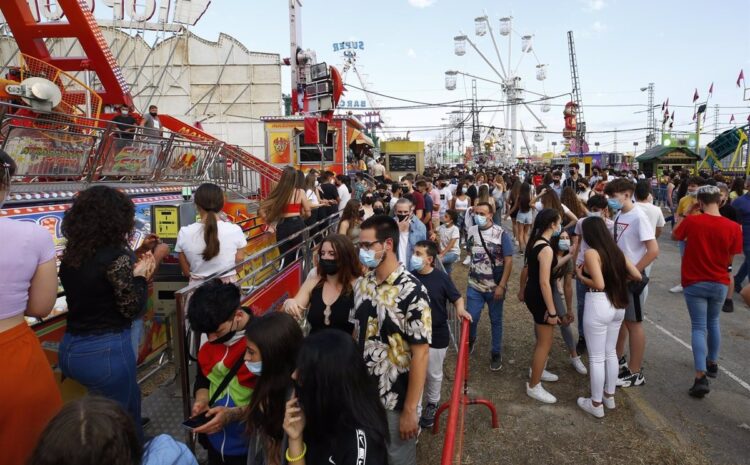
<point x="635" y="149"/>
<point x="596" y="144"/>
<point x="554" y="147"/>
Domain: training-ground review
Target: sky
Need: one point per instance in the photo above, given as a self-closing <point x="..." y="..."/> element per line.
<point x="621" y="46"/>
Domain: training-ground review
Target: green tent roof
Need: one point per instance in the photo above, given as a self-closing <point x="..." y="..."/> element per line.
<point x="659" y="151"/>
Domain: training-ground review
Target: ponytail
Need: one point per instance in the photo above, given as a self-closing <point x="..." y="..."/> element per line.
<point x="211" y="237"/>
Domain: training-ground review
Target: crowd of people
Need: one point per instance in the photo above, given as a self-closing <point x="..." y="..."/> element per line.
<point x="350" y="369"/>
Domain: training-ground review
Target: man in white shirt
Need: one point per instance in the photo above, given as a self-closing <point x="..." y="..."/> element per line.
<point x="644" y="201"/>
<point x="635" y="236"/>
<point x="344" y="194"/>
<point x="444" y="196"/>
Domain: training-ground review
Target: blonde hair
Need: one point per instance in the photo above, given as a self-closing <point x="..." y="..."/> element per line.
<point x="273" y="206"/>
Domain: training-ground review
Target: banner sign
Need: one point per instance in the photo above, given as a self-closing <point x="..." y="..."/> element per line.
<point x="352" y="104"/>
<point x="186" y="159"/>
<point x="136" y="159"/>
<point x="279" y="147"/>
<point x="272" y="295"/>
<point x="40" y="155"/>
<point x="348" y="45"/>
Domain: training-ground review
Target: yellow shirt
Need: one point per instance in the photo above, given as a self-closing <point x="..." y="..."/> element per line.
<point x="685" y="204"/>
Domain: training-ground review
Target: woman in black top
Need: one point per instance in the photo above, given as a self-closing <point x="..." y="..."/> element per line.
<point x="328" y="294"/>
<point x="105" y="289"/>
<point x="336" y="416"/>
<point x="536" y="283"/>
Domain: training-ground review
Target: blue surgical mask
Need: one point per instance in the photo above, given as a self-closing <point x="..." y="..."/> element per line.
<point x="417" y="263"/>
<point x="480" y="220"/>
<point x="557" y="231"/>
<point x="255" y="368"/>
<point x="367" y="258"/>
<point x="564" y="245"/>
<point x="614" y="204"/>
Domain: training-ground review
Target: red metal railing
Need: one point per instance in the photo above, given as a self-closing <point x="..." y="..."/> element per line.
<point x="458" y="402"/>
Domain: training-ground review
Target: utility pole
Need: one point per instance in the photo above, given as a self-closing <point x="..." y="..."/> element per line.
<point x="716" y="121"/>
<point x="474" y="119"/>
<point x="651" y="123"/>
<point x="615" y="141"/>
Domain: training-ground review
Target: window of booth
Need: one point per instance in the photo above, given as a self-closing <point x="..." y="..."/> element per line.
<point x="311" y="153"/>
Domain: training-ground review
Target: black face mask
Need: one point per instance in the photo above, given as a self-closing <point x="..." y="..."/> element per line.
<point x="402" y="217"/>
<point x="330" y="267"/>
<point x="225" y="338"/>
<point x="367" y="201"/>
<point x="153" y="113"/>
<point x="378" y="211"/>
<point x="361" y="213"/>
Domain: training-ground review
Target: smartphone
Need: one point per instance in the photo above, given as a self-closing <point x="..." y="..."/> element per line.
<point x="196" y="421"/>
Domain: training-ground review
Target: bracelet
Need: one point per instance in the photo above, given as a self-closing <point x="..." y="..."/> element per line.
<point x="299" y="457"/>
<point x="549" y="315"/>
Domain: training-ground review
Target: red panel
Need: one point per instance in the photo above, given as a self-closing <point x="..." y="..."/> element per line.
<point x="81" y="25"/>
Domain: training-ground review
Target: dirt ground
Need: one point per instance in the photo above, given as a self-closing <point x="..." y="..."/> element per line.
<point x="532" y="432"/>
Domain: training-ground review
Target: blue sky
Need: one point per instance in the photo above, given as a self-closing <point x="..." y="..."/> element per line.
<point x="621" y="46"/>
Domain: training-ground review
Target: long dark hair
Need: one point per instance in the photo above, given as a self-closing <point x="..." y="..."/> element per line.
<point x="569" y="198"/>
<point x="550" y="200"/>
<point x="89" y="431"/>
<point x="99" y="217"/>
<point x="544" y="219"/>
<point x="351" y="212"/>
<point x="524" y="197"/>
<point x="614" y="270"/>
<point x="272" y="207"/>
<point x="335" y="390"/>
<point x="738" y="186"/>
<point x="210" y="198"/>
<point x="346" y="255"/>
<point x="278" y="337"/>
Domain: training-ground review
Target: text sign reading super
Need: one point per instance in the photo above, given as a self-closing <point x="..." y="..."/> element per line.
<point x="348" y="45"/>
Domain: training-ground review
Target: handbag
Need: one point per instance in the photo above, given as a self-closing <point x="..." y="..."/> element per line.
<point x="497" y="271"/>
<point x="202" y="437"/>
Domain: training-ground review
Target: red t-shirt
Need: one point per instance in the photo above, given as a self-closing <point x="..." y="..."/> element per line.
<point x="711" y="242"/>
<point x="418" y="201"/>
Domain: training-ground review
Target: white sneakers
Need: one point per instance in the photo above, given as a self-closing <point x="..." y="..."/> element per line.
<point x="578" y="365"/>
<point x="588" y="407"/>
<point x="609" y="402"/>
<point x="677" y="289"/>
<point x="540" y="394"/>
<point x="547" y="377"/>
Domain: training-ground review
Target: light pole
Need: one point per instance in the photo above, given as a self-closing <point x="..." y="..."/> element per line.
<point x="596" y="144"/>
<point x="635" y="149"/>
<point x="554" y="147"/>
<point x="651" y="123"/>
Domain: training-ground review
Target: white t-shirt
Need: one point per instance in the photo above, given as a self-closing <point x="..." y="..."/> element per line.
<point x="583" y="245"/>
<point x="633" y="229"/>
<point x="312" y="196"/>
<point x="653" y="213"/>
<point x="392" y="203"/>
<point x="403" y="245"/>
<point x="445" y="196"/>
<point x="190" y="242"/>
<point x="446" y="234"/>
<point x="344" y="196"/>
<point x="584" y="195"/>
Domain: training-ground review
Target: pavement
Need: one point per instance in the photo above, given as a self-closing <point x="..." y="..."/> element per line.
<point x="718" y="424"/>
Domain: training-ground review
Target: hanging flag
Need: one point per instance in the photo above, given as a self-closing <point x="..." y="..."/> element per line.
<point x="695" y="95"/>
<point x="704" y="116"/>
<point x="711" y="90"/>
<point x="666" y="117"/>
<point x="671" y="124"/>
<point x="663" y="104"/>
<point x="748" y="118"/>
<point x="731" y="120"/>
<point x="695" y="115"/>
<point x="672" y="115"/>
<point x="667" y="102"/>
<point x="741" y="77"/>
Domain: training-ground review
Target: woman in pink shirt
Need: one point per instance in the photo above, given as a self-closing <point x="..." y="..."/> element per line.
<point x="28" y="275"/>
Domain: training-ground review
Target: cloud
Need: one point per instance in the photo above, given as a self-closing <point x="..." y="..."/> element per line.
<point x="594" y="5"/>
<point x="421" y="3"/>
<point x="411" y="53"/>
<point x="598" y="27"/>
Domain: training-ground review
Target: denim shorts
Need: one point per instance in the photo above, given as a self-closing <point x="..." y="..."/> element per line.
<point x="524" y="217"/>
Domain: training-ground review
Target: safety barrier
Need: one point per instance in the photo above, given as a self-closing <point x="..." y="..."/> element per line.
<point x="456" y="406"/>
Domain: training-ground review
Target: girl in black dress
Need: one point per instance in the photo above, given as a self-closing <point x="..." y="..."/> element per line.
<point x="328" y="295"/>
<point x="536" y="283"/>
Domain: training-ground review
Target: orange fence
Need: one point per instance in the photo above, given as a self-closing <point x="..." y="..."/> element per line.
<point x="456" y="406"/>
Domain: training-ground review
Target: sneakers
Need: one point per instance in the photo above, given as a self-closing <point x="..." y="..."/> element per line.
<point x="677" y="289"/>
<point x="700" y="388"/>
<point x="728" y="306"/>
<point x="578" y="365"/>
<point x="547" y="377"/>
<point x="588" y="407"/>
<point x="467" y="260"/>
<point x="628" y="379"/>
<point x="581" y="346"/>
<point x="737" y="286"/>
<point x="623" y="367"/>
<point x="496" y="362"/>
<point x="712" y="369"/>
<point x="540" y="394"/>
<point x="428" y="416"/>
<point x="472" y="345"/>
<point x="609" y="402"/>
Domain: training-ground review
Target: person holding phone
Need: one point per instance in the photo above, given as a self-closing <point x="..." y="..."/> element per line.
<point x="410" y="231"/>
<point x="273" y="344"/>
<point x="214" y="309"/>
<point x="335" y="415"/>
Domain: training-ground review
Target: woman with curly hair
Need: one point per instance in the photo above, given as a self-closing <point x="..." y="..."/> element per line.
<point x="105" y="289"/>
<point x="351" y="218"/>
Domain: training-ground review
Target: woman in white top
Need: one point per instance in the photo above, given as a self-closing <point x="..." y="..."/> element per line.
<point x="212" y="245"/>
<point x="447" y="238"/>
<point x="548" y="199"/>
<point x="460" y="202"/>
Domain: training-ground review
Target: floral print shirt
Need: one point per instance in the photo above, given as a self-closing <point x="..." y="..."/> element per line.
<point x="388" y="318"/>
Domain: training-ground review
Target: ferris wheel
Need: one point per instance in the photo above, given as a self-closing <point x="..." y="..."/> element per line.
<point x="509" y="71"/>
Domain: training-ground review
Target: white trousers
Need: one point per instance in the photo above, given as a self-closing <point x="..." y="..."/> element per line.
<point x="434" y="381"/>
<point x="601" y="324"/>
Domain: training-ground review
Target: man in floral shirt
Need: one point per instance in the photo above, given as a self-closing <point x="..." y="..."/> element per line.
<point x="393" y="325"/>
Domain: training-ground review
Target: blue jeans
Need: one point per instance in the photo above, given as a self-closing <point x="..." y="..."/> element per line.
<point x="448" y="260"/>
<point x="475" y="301"/>
<point x="105" y="365"/>
<point x="136" y="336"/>
<point x="580" y="302"/>
<point x="704" y="301"/>
<point x="742" y="273"/>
